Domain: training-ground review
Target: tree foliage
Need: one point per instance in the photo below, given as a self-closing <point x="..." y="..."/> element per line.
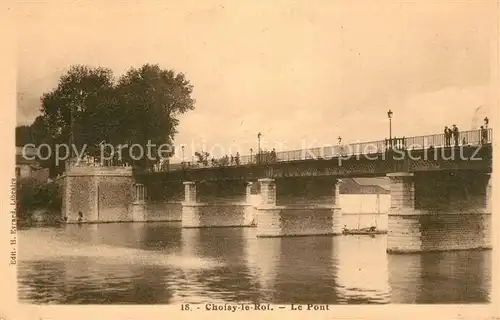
<point x="32" y="195"/>
<point x="23" y="135"/>
<point x="74" y="112"/>
<point x="89" y="106"/>
<point x="202" y="157"/>
<point x="152" y="99"/>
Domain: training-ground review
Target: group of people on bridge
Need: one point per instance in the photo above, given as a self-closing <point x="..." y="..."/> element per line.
<point x="226" y="160"/>
<point x="449" y="133"/>
<point x="454" y="133"/>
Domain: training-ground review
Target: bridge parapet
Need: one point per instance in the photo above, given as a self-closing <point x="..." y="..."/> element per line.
<point x="100" y="171"/>
<point x="465" y="139"/>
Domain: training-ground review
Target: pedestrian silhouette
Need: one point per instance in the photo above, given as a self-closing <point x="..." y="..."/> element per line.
<point x="456" y="134"/>
<point x="273" y="155"/>
<point x="484" y="135"/>
<point x="447" y="136"/>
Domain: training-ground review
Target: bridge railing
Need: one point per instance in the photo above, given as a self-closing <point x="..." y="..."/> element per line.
<point x="465" y="138"/>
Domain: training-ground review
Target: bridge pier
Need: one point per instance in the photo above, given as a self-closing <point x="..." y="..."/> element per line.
<point x="196" y="214"/>
<point x="101" y="194"/>
<point x="403" y="222"/>
<point x="456" y="227"/>
<point x="138" y="207"/>
<point x="488" y="200"/>
<point x="280" y="221"/>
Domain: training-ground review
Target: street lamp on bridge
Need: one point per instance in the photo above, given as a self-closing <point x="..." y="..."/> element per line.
<point x="486" y="121"/>
<point x="182" y="148"/>
<point x="251" y="155"/>
<point x="259" y="135"/>
<point x="389" y="115"/>
<point x="258" y="149"/>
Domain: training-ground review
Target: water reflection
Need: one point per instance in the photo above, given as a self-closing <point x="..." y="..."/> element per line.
<point x="441" y="277"/>
<point x="232" y="279"/>
<point x="89" y="281"/>
<point x="298" y="269"/>
<point x="158" y="263"/>
<point x="362" y="269"/>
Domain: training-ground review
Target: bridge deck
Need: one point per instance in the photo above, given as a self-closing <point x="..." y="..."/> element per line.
<point x="368" y="159"/>
<point x="466" y="138"/>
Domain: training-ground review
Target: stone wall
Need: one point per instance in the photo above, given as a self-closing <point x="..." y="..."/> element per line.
<point x="455" y="231"/>
<point x="101" y="194"/>
<point x="61" y="181"/>
<point x="115" y="196"/>
<point x="197" y="215"/>
<point x="80" y="197"/>
<point x="283" y="221"/>
<point x="439" y="232"/>
<point x="169" y="211"/>
<point x="445" y="211"/>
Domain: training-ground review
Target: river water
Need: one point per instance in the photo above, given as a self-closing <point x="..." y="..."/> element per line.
<point x="160" y="263"/>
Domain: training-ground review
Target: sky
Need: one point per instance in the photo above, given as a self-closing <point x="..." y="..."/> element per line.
<point x="300" y="72"/>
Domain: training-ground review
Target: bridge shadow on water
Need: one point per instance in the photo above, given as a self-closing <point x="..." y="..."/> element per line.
<point x="160" y="263"/>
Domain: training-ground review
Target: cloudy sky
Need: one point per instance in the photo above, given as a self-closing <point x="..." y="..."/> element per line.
<point x="300" y="72"/>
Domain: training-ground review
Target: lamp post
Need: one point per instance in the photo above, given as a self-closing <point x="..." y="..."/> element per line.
<point x="389" y="115"/>
<point x="258" y="138"/>
<point x="486" y="121"/>
<point x="182" y="149"/>
<point x="258" y="150"/>
<point x="251" y="155"/>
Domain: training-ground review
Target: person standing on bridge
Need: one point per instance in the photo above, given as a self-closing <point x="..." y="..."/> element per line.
<point x="456" y="134"/>
<point x="447" y="136"/>
<point x="484" y="135"/>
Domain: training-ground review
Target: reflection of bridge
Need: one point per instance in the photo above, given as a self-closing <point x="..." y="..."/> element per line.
<point x="440" y="194"/>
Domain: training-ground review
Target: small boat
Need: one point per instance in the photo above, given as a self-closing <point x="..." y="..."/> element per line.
<point x="363" y="231"/>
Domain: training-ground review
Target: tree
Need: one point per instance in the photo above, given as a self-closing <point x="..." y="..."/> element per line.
<point x="23" y="135"/>
<point x="87" y="107"/>
<point x="202" y="157"/>
<point x="73" y="112"/>
<point x="41" y="134"/>
<point x="152" y="98"/>
<point x="37" y="133"/>
<point x="33" y="195"/>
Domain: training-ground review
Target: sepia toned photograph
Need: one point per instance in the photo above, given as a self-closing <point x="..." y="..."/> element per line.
<point x="255" y="156"/>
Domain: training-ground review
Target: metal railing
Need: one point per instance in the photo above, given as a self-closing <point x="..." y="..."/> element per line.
<point x="465" y="138"/>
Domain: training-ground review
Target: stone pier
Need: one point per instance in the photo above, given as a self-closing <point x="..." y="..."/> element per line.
<point x="196" y="214"/>
<point x="303" y="220"/>
<point x="101" y="194"/>
<point x="455" y="226"/>
<point x="138" y="207"/>
<point x="404" y="221"/>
